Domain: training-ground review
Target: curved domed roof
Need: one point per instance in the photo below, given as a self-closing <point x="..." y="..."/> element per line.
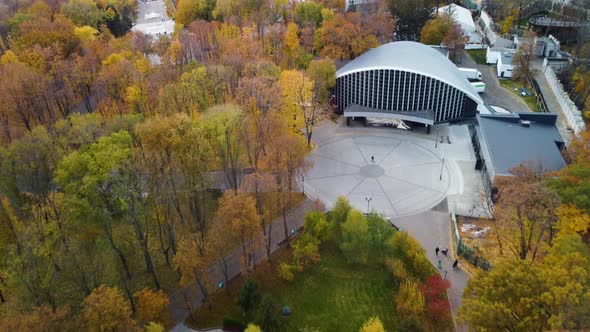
<point x="412" y="57"/>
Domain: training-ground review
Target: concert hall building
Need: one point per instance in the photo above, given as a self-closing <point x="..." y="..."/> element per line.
<point x="408" y="81"/>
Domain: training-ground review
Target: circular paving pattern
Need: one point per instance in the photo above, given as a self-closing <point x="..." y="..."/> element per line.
<point x="400" y="178"/>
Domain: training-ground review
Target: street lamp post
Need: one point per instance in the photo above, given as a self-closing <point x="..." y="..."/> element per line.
<point x="303" y="184"/>
<point x="441" y="168"/>
<point x="368" y="199"/>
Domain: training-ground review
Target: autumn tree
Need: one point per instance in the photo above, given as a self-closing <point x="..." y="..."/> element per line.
<point x="44" y="316"/>
<point x="323" y="74"/>
<point x="380" y="233"/>
<point x="455" y="40"/>
<point x="286" y="159"/>
<point x="524" y="58"/>
<point x="291" y="49"/>
<point x="435" y="30"/>
<point x="572" y="220"/>
<point x="300" y="102"/>
<point x="572" y="182"/>
<point x="192" y="260"/>
<point x="517" y="295"/>
<point x="153" y="306"/>
<point x="306" y="251"/>
<point x="411" y="253"/>
<point x="106" y="310"/>
<point x="317" y="224"/>
<point x="308" y="14"/>
<point x="434" y="290"/>
<point x="190" y="10"/>
<point x="91" y="181"/>
<point x="525" y="213"/>
<point x="373" y="324"/>
<point x="409" y="301"/>
<point x="252" y="328"/>
<point x="355" y="238"/>
<point x="344" y="37"/>
<point x="238" y="209"/>
<point x="341" y="210"/>
<point x="82" y="12"/>
<point x="222" y="127"/>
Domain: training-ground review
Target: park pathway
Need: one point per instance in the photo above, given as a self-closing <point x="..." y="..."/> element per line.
<point x="431" y="229"/>
<point x="190" y="297"/>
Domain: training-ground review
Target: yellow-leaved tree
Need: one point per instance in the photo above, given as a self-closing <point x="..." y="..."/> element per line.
<point x="238" y="209"/>
<point x="372" y="325"/>
<point x="105" y="309"/>
<point x="409" y="301"/>
<point x="300" y="106"/>
<point x="153" y="306"/>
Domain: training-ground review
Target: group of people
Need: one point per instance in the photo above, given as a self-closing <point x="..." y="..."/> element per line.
<point x="445" y="252"/>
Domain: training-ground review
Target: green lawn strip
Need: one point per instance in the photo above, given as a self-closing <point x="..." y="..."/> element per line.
<point x="330" y="296"/>
<point x="479" y="56"/>
<point x="531" y="101"/>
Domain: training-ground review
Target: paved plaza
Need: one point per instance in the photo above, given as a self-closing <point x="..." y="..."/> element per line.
<point x="398" y="176"/>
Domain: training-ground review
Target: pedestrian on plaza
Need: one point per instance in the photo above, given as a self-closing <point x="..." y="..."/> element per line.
<point x="373" y="159"/>
<point x="445" y="251"/>
<point x="455" y="263"/>
<point x="436" y="250"/>
<point x="439" y="264"/>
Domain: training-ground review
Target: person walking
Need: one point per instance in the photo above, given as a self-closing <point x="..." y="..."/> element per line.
<point x="439" y="264"/>
<point x="445" y="251"/>
<point x="455" y="263"/>
<point x="373" y="159"/>
<point x="436" y="250"/>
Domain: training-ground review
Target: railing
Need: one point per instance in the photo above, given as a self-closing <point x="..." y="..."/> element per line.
<point x="553" y="22"/>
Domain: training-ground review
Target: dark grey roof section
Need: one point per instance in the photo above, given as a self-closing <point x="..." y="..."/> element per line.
<point x="511" y="142"/>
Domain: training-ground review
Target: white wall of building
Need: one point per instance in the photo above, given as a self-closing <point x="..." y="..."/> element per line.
<point x="504" y="69"/>
<point x="568" y="108"/>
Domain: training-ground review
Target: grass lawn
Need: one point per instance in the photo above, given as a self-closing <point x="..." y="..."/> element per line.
<point x="330" y="296"/>
<point x="531" y="101"/>
<point x="479" y="56"/>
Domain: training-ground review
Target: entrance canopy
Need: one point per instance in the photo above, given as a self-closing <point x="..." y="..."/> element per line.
<point x="354" y="110"/>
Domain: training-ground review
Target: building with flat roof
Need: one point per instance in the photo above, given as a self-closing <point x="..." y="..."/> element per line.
<point x="504" y="141"/>
<point x="408" y="81"/>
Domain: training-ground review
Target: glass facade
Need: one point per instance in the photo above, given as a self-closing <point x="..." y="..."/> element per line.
<point x="401" y="91"/>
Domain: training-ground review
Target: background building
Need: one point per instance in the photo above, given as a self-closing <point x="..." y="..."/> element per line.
<point x="407" y="81"/>
<point x="462" y="16"/>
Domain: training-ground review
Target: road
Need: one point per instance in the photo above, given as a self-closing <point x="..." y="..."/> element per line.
<point x="495" y="94"/>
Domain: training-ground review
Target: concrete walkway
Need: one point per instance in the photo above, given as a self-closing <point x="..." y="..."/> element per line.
<point x="431" y="229"/>
<point x="182" y="300"/>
